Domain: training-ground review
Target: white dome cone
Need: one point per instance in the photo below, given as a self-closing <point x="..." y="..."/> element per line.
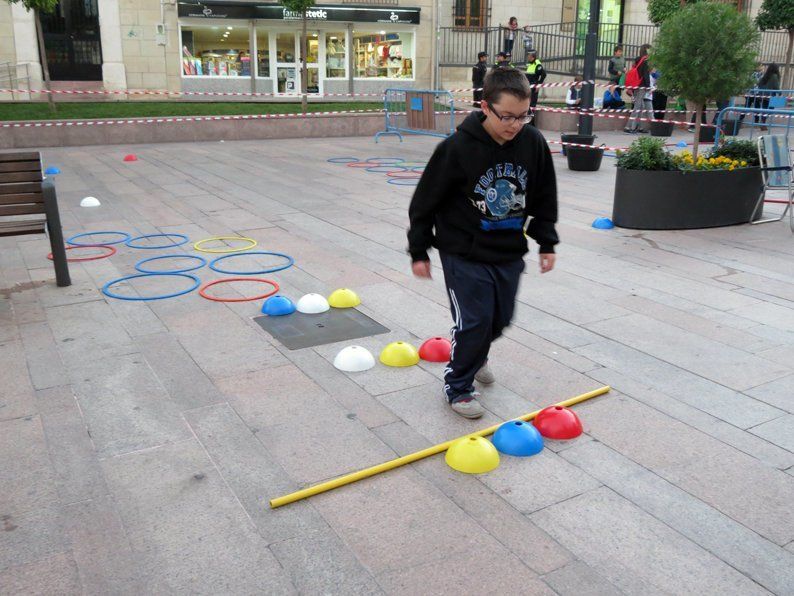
<point x="90" y="202"/>
<point x="354" y="359"/>
<point x="312" y="304"/>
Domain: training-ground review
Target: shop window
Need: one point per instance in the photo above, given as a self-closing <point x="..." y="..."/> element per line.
<point x="312" y="48"/>
<point x="383" y="55"/>
<point x="335" y="56"/>
<point x="216" y="51"/>
<point x="262" y="53"/>
<point x="285" y="47"/>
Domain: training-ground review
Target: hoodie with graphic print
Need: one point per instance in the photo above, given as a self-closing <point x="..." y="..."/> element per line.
<point x="478" y="194"/>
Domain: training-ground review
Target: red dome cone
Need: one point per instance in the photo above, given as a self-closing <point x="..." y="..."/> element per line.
<point x="435" y="349"/>
<point x="556" y="422"/>
<point x="130" y="157"/>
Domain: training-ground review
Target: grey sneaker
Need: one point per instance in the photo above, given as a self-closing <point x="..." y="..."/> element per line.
<point x="484" y="375"/>
<point x="466" y="405"/>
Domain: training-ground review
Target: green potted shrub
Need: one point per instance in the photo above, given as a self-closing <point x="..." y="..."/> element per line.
<point x="659" y="190"/>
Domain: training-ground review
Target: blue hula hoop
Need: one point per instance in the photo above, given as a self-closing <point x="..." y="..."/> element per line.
<point x="403" y="181"/>
<point x="385" y="160"/>
<point x="203" y="262"/>
<point x="290" y="262"/>
<point x="71" y="240"/>
<point x="417" y="168"/>
<point x="386" y="169"/>
<point x="182" y="237"/>
<point x="342" y="159"/>
<point x="106" y="288"/>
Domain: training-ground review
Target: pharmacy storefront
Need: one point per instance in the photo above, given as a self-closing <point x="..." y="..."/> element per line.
<point x="237" y="46"/>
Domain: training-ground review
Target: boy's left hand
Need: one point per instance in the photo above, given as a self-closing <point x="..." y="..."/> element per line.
<point x="547" y="261"/>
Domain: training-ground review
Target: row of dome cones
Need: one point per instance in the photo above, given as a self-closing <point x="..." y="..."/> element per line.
<point x="476" y="455"/>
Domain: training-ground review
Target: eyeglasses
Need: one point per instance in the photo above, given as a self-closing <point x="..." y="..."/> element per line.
<point x="523" y="119"/>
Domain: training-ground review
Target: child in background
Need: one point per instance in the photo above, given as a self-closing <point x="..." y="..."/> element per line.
<point x="573" y="98"/>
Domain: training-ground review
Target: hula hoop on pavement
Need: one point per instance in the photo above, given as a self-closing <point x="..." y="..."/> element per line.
<point x="198" y="244"/>
<point x="342" y="159"/>
<point x="71" y="240"/>
<point x="403" y="181"/>
<point x="183" y="240"/>
<point x="362" y="164"/>
<point x="138" y="265"/>
<point x="290" y="262"/>
<point x="203" y="290"/>
<point x="94" y="258"/>
<point x="385" y="160"/>
<point x="106" y="288"/>
<point x="385" y="169"/>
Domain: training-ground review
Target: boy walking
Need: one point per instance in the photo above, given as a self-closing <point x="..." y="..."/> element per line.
<point x="472" y="203"/>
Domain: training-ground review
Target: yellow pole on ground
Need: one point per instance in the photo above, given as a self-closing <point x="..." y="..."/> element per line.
<point x="409" y="459"/>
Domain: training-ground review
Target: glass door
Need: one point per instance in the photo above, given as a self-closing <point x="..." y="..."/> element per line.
<point x="287" y="70"/>
<point x="313" y="82"/>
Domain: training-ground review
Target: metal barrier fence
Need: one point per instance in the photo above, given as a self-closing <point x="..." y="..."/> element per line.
<point x="769" y="118"/>
<point x="418" y="111"/>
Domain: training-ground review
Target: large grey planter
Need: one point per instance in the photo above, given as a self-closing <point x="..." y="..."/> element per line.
<point x="657" y="200"/>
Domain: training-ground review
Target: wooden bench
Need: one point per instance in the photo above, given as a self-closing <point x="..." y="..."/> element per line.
<point x="28" y="205"/>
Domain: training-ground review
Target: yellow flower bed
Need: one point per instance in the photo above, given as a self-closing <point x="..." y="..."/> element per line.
<point x="685" y="161"/>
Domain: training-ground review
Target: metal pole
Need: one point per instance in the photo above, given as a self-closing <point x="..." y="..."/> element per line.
<point x="590" y="52"/>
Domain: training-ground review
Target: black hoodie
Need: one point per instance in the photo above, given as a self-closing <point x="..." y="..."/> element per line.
<point x="478" y="195"/>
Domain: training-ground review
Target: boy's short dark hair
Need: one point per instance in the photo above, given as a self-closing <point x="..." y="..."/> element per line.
<point x="505" y="80"/>
<point x="618" y="48"/>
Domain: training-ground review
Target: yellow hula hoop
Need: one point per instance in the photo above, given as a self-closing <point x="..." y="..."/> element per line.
<point x="198" y="244"/>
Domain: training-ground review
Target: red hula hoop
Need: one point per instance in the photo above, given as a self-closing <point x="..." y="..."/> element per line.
<point x="203" y="289"/>
<point x="112" y="252"/>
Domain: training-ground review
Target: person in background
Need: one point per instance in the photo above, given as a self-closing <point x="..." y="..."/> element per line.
<point x="751" y="99"/>
<point x="503" y="61"/>
<point x="510" y="35"/>
<point x="641" y="96"/>
<point x="612" y="99"/>
<point x="617" y="65"/>
<point x="658" y="98"/>
<point x="478" y="73"/>
<point x="573" y="99"/>
<point x="528" y="43"/>
<point x="768" y="85"/>
<point x="536" y="74"/>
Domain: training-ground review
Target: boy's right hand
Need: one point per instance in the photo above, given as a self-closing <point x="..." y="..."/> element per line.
<point x="421" y="269"/>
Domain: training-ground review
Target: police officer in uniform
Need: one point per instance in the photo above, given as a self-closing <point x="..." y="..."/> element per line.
<point x="536" y="74"/>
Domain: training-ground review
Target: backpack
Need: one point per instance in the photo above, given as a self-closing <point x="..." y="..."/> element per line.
<point x="633" y="78"/>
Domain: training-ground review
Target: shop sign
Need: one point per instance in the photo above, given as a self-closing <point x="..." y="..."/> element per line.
<point x="275" y="12"/>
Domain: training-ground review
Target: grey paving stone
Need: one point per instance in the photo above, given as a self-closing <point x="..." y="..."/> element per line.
<point x="334" y="569"/>
<point x="185" y="382"/>
<point x="734" y="543"/>
<point x="125" y="407"/>
<point x="481" y="570"/>
<point x="100" y="548"/>
<point x="776" y="393"/>
<point x="54" y="575"/>
<point x="44" y="363"/>
<point x="26" y="473"/>
<point x="715" y="361"/>
<point x="634" y="551"/>
<point x="186" y="529"/>
<point x="579" y="579"/>
<point x="31" y="537"/>
<point x="16" y="399"/>
<point x="78" y="475"/>
<point x="252" y="474"/>
<point x="524" y="539"/>
<point x="779" y="431"/>
<point x="736" y="484"/>
<point x="717" y="400"/>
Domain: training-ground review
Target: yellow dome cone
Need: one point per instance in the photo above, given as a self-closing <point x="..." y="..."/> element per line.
<point x="472" y="455"/>
<point x="344" y="298"/>
<point x="399" y="353"/>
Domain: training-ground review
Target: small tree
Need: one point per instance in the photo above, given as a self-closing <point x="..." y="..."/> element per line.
<point x="779" y="14"/>
<point x="301" y="6"/>
<point x="660" y="10"/>
<point x="38" y="7"/>
<point x="705" y="51"/>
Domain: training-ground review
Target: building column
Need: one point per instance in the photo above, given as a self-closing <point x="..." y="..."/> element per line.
<point x="114" y="75"/>
<point x="26" y="43"/>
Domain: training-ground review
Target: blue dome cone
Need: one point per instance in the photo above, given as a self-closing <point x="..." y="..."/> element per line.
<point x="603" y="223"/>
<point x="518" y="438"/>
<point x="51" y="171"/>
<point x="277" y="306"/>
<point x="681" y="144"/>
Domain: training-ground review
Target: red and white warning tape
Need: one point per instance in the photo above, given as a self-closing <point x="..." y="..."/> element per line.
<point x="182" y="93"/>
<point x="620" y="116"/>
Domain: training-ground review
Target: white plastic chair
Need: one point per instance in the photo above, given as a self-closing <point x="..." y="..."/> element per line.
<point x="776" y="170"/>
